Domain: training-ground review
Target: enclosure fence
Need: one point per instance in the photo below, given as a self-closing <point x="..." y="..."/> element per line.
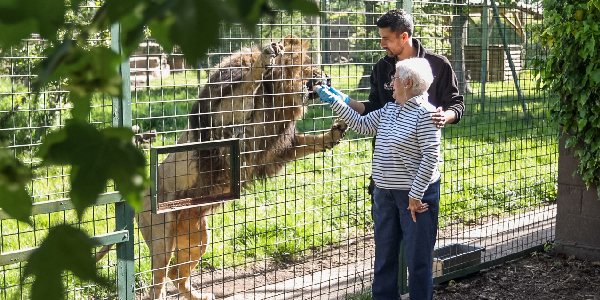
<point x="297" y="223"/>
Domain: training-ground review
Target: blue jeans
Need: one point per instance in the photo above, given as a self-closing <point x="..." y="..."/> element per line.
<point x="394" y="223"/>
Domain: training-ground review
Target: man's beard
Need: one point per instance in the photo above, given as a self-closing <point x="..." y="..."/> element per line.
<point x="390" y="53"/>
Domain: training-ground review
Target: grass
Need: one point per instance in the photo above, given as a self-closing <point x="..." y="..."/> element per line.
<point x="497" y="161"/>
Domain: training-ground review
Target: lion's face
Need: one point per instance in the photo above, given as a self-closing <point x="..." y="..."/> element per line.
<point x="298" y="71"/>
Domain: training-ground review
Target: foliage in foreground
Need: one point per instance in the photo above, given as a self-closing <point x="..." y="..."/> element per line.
<point x="571" y="71"/>
<point x="90" y="69"/>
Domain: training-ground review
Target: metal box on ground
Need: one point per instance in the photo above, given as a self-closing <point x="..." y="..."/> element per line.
<point x="453" y="257"/>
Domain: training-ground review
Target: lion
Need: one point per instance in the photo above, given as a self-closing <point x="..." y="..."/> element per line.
<point x="256" y="96"/>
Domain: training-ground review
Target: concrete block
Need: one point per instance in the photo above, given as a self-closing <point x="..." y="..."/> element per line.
<point x="569" y="199"/>
<point x="590" y="204"/>
<point x="579" y="230"/>
<point x="581" y="252"/>
<point x="567" y="163"/>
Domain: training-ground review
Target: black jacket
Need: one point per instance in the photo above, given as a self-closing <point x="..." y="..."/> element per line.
<point x="442" y="92"/>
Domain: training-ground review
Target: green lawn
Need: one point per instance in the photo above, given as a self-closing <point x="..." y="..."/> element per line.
<point x="497" y="161"/>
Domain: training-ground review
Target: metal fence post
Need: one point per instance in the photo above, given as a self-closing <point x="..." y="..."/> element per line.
<point x="406" y="5"/>
<point x="484" y="51"/>
<point x="121" y="112"/>
<point x="510" y="61"/>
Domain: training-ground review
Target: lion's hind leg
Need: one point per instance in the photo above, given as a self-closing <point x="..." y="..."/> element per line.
<point x="162" y="246"/>
<point x="191" y="242"/>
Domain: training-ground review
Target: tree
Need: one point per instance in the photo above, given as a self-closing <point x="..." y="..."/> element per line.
<point x="570" y="72"/>
<point x="97" y="155"/>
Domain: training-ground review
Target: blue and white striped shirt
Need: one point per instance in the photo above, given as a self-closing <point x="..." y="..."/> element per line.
<point x="407" y="148"/>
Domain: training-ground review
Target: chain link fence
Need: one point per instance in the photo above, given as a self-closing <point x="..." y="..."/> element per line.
<point x="302" y="228"/>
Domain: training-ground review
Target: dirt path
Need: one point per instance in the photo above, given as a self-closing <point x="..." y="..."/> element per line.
<point x="334" y="272"/>
<point x="328" y="273"/>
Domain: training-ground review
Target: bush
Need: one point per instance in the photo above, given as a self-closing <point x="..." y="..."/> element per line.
<point x="571" y="71"/>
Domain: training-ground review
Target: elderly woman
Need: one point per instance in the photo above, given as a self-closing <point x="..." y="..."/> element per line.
<point x="405" y="170"/>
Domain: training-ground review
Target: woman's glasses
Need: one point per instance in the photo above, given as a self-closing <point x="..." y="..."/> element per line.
<point x="394" y="78"/>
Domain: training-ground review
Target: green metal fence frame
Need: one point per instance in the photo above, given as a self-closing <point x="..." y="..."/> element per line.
<point x="124" y="214"/>
<point x="234" y="184"/>
<point x="123" y="235"/>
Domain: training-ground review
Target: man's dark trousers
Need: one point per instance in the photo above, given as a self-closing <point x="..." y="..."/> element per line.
<point x="394" y="223"/>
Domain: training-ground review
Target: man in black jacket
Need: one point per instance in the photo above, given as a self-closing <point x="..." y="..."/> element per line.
<point x="396" y="30"/>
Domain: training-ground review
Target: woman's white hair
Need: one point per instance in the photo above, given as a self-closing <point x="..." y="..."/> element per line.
<point x="419" y="70"/>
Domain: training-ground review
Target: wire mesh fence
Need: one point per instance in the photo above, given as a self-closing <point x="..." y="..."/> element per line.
<point x="302" y="227"/>
<point x="25" y="118"/>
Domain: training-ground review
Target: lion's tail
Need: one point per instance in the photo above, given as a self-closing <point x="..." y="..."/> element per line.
<point x="100" y="254"/>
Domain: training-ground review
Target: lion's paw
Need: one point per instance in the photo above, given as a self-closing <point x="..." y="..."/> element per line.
<point x="272" y="50"/>
<point x="337" y="132"/>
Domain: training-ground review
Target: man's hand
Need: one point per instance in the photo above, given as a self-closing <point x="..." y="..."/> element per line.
<point x="416" y="206"/>
<point x="441" y="117"/>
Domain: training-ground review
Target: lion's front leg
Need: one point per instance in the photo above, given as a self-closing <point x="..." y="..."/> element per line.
<point x="308" y="144"/>
<point x="241" y="103"/>
<point x="267" y="58"/>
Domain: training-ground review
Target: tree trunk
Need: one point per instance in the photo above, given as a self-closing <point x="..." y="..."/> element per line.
<point x="457" y="46"/>
<point x="315" y="22"/>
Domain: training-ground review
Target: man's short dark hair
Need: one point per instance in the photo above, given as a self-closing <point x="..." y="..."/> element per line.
<point x="398" y="20"/>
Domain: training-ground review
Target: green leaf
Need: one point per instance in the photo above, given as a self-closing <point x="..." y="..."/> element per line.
<point x="160" y="31"/>
<point x="81" y="105"/>
<point x="46" y="70"/>
<point x="588" y="175"/>
<point x="88" y="70"/>
<point x="47" y="16"/>
<point x="581" y="124"/>
<point x="196" y="27"/>
<point x="50" y="15"/>
<point x="64" y="249"/>
<point x="571" y="140"/>
<point x="305" y="6"/>
<point x="12" y="34"/>
<point x="14" y="176"/>
<point x="16" y="202"/>
<point x="97" y="156"/>
<point x="158" y="16"/>
<point x="596" y="76"/>
<point x="590" y="136"/>
<point x="595" y="145"/>
<point x="251" y="11"/>
<point x="51" y="139"/>
<point x="117" y="9"/>
<point x="75" y="5"/>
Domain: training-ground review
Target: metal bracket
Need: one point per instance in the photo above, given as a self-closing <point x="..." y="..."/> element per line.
<point x="178" y="204"/>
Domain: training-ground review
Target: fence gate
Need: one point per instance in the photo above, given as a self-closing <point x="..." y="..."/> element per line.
<point x="302" y="226"/>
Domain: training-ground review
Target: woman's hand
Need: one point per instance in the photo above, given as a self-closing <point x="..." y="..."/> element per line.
<point x="326" y="94"/>
<point x="344" y="97"/>
<point x="416" y="206"/>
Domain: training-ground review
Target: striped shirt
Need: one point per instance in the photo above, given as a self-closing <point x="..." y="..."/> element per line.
<point x="407" y="148"/>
